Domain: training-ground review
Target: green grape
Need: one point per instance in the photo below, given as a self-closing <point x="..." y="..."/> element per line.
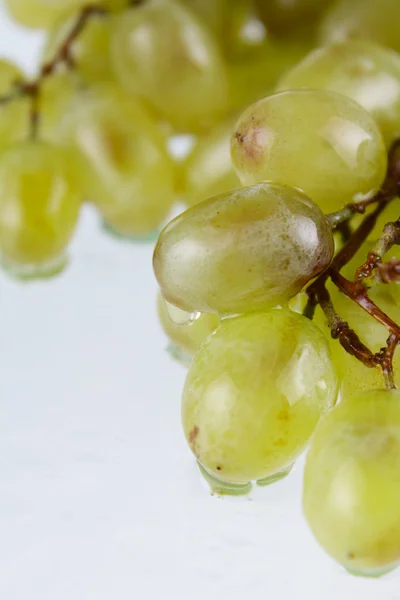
<point x="254" y="394"/>
<point x="187" y="335"/>
<point x="212" y="12"/>
<point x="56" y="95"/>
<point x="162" y="53"/>
<point x="245" y="250"/>
<point x="352" y="485"/>
<point x="41" y="14"/>
<point x="319" y="141"/>
<point x="91" y="50"/>
<point x="254" y="78"/>
<point x="354" y="376"/>
<point x="281" y="15"/>
<point x="208" y="170"/>
<point x="361" y="70"/>
<point x="39" y="203"/>
<point x="14" y="117"/>
<point x="121" y="159"/>
<point x="375" y="20"/>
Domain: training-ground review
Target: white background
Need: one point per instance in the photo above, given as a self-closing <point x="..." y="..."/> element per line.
<point x="100" y="498"/>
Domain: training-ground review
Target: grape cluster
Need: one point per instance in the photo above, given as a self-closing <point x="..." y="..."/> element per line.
<point x="291" y="195"/>
<point x="294" y="108"/>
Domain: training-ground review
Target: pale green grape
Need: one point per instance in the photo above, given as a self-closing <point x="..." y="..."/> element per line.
<point x="40" y="14"/>
<point x="14" y="117"/>
<point x="162" y="53"/>
<point x="375" y="20"/>
<point x="212" y="12"/>
<point x="254" y="78"/>
<point x="352" y="484"/>
<point x="319" y="141"/>
<point x="208" y="170"/>
<point x="39" y="203"/>
<point x="188" y="336"/>
<point x="361" y="70"/>
<point x="245" y="250"/>
<point x="254" y="394"/>
<point x="57" y="94"/>
<point x="121" y="159"/>
<point x="91" y="50"/>
<point x="354" y="376"/>
<point x="281" y="16"/>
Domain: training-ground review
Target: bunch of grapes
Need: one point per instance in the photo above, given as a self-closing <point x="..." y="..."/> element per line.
<point x="292" y="185"/>
<point x="279" y="284"/>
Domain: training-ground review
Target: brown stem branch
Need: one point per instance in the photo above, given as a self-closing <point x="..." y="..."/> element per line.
<point x="63" y="56"/>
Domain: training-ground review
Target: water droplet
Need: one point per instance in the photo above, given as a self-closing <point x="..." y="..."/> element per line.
<point x="179" y="316"/>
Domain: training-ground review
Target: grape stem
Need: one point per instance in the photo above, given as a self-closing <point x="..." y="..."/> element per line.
<point x="63" y="56"/>
<point x="357" y="290"/>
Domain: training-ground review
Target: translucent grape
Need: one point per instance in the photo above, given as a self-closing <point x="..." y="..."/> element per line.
<point x="162" y="53"/>
<point x="375" y="20"/>
<point x="242" y="251"/>
<point x="208" y="170"/>
<point x="319" y="141"/>
<point x="14" y="117"/>
<point x="254" y="78"/>
<point x="91" y="50"/>
<point x="354" y="376"/>
<point x="121" y="159"/>
<point x="352" y="485"/>
<point x="40" y="14"/>
<point x="361" y="70"/>
<point x="39" y="203"/>
<point x="212" y="12"/>
<point x="57" y="94"/>
<point x="254" y="394"/>
<point x="186" y="336"/>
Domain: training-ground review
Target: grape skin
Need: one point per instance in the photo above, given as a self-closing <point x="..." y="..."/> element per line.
<point x="352" y="485"/>
<point x="255" y="392"/>
<point x="40" y="14"/>
<point x="318" y="141"/>
<point x="121" y="159"/>
<point x="208" y="170"/>
<point x="161" y="52"/>
<point x="281" y="16"/>
<point x="39" y="203"/>
<point x="360" y="70"/>
<point x="14" y="117"/>
<point x="187" y="337"/>
<point x="374" y="20"/>
<point x="242" y="251"/>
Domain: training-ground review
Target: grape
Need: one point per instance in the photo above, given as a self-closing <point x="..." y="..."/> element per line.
<point x="361" y="70"/>
<point x="39" y="203"/>
<point x="208" y="170"/>
<point x="319" y="141"/>
<point x="255" y="392"/>
<point x="90" y="51"/>
<point x="280" y="15"/>
<point x="56" y="95"/>
<point x="352" y="485"/>
<point x="162" y="53"/>
<point x="14" y="117"/>
<point x="254" y="78"/>
<point x="241" y="251"/>
<point x="186" y="336"/>
<point x="212" y="12"/>
<point x="40" y="14"/>
<point x="121" y="158"/>
<point x="355" y="377"/>
<point x="375" y="20"/>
